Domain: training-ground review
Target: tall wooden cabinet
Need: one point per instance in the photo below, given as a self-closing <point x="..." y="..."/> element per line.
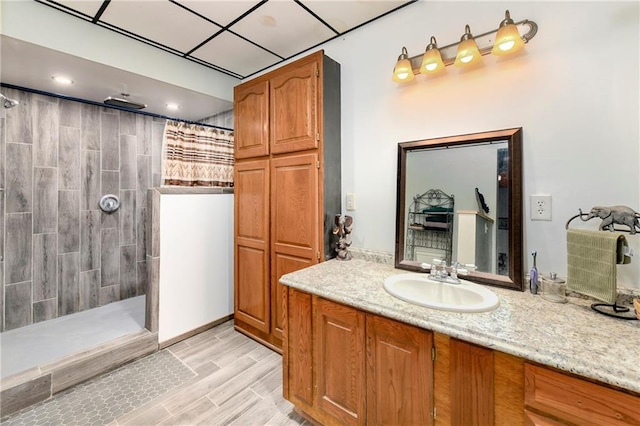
<point x="287" y="184"/>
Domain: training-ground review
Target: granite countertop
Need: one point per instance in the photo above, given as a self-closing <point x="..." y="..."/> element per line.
<point x="568" y="336"/>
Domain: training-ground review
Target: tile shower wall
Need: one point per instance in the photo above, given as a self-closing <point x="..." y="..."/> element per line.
<point x="223" y="119"/>
<point x="59" y="253"/>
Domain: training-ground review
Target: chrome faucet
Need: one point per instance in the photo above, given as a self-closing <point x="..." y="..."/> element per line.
<point x="439" y="271"/>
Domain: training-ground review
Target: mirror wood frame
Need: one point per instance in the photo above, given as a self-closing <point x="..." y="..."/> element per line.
<point x="515" y="278"/>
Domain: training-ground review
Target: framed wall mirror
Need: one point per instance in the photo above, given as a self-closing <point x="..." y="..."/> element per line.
<point x="459" y="199"/>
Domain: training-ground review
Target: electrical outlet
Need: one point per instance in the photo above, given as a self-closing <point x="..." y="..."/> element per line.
<point x="540" y="207"/>
<point x="351" y="201"/>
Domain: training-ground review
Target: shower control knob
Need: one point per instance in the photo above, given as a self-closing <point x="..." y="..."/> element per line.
<point x="109" y="203"/>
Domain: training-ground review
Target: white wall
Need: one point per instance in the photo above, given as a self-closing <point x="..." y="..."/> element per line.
<point x="457" y="172"/>
<point x="196" y="261"/>
<point x="574" y="91"/>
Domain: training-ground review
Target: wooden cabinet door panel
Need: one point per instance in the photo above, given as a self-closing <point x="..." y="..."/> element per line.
<point x="281" y="264"/>
<point x="295" y="225"/>
<point x="298" y="352"/>
<point x="251" y="201"/>
<point x="294" y="108"/>
<point x="399" y="373"/>
<point x="251" y="270"/>
<point x="339" y="357"/>
<point x="252" y="292"/>
<point x="471" y="370"/>
<point x="578" y="401"/>
<point x="508" y="389"/>
<point x="251" y="117"/>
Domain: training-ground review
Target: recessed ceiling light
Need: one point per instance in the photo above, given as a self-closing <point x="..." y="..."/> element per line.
<point x="173" y="106"/>
<point x="62" y="80"/>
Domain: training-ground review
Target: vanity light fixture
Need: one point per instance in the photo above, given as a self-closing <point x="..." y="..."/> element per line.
<point x="432" y="59"/>
<point x="468" y="52"/>
<point x="403" y="71"/>
<point x="508" y="38"/>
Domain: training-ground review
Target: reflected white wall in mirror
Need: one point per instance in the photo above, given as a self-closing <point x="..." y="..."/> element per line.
<point x="458" y="171"/>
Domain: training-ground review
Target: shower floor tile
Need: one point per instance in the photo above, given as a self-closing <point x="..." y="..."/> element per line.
<point x="101" y="400"/>
<point x="40" y="343"/>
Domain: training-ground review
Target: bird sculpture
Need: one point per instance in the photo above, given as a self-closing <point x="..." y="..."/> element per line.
<point x="481" y="203"/>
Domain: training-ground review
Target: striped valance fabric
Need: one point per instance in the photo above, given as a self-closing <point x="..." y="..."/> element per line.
<point x="197" y="156"/>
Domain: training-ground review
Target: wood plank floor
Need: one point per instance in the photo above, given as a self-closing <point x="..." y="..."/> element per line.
<point x="237" y="382"/>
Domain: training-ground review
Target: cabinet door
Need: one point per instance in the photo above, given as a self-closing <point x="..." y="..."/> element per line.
<point x="282" y="264"/>
<point x="251" y="116"/>
<point x="295" y="224"/>
<point x="297" y="352"/>
<point x="399" y="373"/>
<point x="294" y="107"/>
<point x="252" y="291"/>
<point x="471" y="369"/>
<point x="339" y="360"/>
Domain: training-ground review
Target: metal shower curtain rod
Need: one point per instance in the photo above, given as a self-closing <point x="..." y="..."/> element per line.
<point x="84" y="101"/>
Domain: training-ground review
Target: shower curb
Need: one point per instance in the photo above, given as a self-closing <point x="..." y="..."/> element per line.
<point x="40" y="383"/>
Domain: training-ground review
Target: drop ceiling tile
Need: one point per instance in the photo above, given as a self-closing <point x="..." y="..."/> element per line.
<point x="346" y="14"/>
<point x="160" y="21"/>
<point x="284" y="28"/>
<point x="235" y="54"/>
<point x="88" y="7"/>
<point x="221" y="12"/>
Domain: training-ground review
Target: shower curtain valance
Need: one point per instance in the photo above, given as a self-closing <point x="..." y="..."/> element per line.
<point x="195" y="155"/>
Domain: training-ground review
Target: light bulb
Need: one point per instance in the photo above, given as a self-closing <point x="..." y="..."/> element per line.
<point x="507" y="45"/>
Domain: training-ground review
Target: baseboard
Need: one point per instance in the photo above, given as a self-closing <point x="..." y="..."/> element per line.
<point x="270" y="342"/>
<point x="193" y="332"/>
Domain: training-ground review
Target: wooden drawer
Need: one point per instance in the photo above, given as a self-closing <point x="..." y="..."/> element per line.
<point x="578" y="401"/>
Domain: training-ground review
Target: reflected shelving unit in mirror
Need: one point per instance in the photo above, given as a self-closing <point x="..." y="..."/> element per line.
<point x="483" y="173"/>
<point x="430" y="227"/>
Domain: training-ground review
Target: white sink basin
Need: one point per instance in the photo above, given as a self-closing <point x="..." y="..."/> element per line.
<point x="420" y="290"/>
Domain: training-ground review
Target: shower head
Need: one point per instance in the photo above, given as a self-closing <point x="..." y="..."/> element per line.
<point x="8" y="103"/>
<point x="123" y="103"/>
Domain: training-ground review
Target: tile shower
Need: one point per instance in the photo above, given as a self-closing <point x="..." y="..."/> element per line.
<point x="59" y="253"/>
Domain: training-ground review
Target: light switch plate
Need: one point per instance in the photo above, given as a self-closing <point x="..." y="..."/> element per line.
<point x="540" y="207"/>
<point x="351" y="201"/>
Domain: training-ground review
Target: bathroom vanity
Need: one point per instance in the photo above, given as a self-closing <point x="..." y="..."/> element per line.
<point x="353" y="354"/>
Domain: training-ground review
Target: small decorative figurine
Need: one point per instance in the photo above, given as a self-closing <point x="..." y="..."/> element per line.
<point x="343" y="227"/>
<point x="620" y="215"/>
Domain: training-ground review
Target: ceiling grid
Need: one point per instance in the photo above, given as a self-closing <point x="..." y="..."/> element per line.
<point x="237" y="37"/>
